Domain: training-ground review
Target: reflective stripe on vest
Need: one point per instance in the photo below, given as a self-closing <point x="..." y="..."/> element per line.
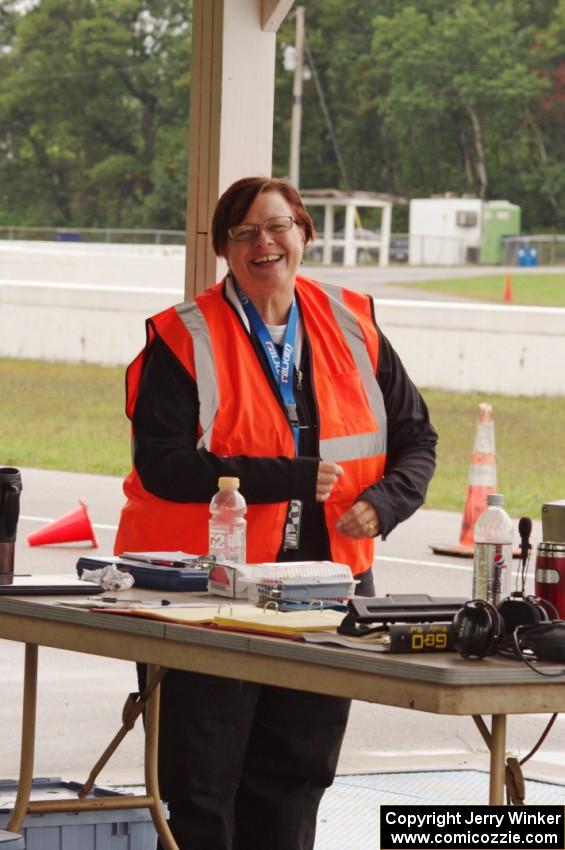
<point x="368" y="444"/>
<point x="191" y="316"/>
<point x="340" y="449"/>
<point x="332" y="450"/>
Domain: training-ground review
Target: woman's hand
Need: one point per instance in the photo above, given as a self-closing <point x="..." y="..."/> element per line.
<point x="328" y="473"/>
<point x="361" y="520"/>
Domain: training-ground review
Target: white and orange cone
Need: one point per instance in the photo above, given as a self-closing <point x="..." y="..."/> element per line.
<point x="481" y="482"/>
<point x="482" y="474"/>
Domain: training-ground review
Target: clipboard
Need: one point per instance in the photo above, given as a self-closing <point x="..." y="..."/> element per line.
<point x="48" y="585"/>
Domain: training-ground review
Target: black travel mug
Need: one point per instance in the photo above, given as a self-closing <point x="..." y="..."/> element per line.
<point x="10" y="489"/>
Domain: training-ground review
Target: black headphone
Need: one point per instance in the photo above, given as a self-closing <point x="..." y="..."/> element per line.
<point x="518" y="610"/>
<point x="480" y="629"/>
<point x="477" y="629"/>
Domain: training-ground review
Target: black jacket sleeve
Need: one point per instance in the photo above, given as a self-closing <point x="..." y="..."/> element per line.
<point x="411" y="442"/>
<point x="170" y="466"/>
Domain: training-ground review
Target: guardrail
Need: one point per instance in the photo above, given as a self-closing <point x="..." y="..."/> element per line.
<point x="549" y="249"/>
<point x="94" y="234"/>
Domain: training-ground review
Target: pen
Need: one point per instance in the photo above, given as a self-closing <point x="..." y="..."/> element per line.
<point x="130" y="560"/>
<point x="162" y="562"/>
<point x="125" y="602"/>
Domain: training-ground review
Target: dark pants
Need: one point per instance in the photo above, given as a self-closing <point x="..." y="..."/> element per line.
<point x="244" y="766"/>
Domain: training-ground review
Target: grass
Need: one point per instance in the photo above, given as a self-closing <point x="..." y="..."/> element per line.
<point x="63" y="416"/>
<point x="71" y="417"/>
<point x="530" y="448"/>
<point x="544" y="290"/>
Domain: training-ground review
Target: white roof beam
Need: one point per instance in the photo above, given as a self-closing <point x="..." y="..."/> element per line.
<point x="273" y="13"/>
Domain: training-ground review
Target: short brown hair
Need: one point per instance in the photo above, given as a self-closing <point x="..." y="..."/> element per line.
<point x="233" y="205"/>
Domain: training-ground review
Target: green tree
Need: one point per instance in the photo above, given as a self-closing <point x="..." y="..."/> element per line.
<point x="434" y="96"/>
<point x="89" y="92"/>
<point x="406" y="97"/>
<point x="547" y="121"/>
<point x="338" y="34"/>
<point x="451" y="89"/>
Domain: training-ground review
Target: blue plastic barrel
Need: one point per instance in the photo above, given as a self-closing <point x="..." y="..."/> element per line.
<point x="67" y="236"/>
<point x="527" y="256"/>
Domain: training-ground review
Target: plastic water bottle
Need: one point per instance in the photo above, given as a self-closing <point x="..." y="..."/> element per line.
<point x="492" y="563"/>
<point x="227" y="524"/>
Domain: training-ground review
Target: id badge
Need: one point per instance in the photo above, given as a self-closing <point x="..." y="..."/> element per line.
<point x="292" y="528"/>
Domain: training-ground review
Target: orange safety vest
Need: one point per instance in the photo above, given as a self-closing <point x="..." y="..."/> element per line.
<point x="241" y="415"/>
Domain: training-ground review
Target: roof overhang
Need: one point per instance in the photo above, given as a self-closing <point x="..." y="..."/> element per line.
<point x="273" y="13"/>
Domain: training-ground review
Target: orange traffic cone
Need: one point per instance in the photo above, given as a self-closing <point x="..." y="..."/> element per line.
<point x="508" y="290"/>
<point x="70" y="528"/>
<point x="481" y="482"/>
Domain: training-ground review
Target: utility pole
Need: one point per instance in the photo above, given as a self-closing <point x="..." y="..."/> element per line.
<point x="296" y="123"/>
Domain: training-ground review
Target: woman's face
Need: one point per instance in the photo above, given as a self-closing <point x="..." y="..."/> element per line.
<point x="270" y="261"/>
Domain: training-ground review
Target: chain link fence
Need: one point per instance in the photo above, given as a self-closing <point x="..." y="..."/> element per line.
<point x="546" y="250"/>
<point x="94" y="234"/>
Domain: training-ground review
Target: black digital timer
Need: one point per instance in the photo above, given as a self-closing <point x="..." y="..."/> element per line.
<point x="421" y="637"/>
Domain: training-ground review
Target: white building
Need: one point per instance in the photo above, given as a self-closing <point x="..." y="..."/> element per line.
<point x="444" y="231"/>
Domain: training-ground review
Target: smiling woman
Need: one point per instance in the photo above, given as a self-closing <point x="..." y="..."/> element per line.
<point x="265" y="265"/>
<point x="289" y="385"/>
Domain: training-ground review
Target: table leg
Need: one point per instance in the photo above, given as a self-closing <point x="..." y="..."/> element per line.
<point x="28" y="739"/>
<point x="151" y="758"/>
<point x="497" y="759"/>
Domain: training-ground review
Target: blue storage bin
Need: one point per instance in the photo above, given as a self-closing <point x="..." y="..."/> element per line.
<point x="11" y="841"/>
<point x="106" y="829"/>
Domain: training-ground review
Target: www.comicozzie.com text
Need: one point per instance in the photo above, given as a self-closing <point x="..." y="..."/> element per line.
<point x="457" y="827"/>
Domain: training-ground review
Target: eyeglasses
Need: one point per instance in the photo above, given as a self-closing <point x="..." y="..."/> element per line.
<point x="246" y="232"/>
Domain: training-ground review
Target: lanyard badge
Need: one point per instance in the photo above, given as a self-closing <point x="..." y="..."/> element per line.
<point x="282" y="368"/>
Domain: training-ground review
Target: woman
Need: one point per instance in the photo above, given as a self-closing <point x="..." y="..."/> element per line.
<point x="290" y="386"/>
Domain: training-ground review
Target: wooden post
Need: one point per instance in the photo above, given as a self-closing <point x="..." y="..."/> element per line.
<point x="231" y="114"/>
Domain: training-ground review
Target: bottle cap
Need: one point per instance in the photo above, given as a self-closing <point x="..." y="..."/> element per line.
<point x="495" y="500"/>
<point x="228" y="483"/>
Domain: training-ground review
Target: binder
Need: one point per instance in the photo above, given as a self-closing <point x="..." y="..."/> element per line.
<point x="241" y="618"/>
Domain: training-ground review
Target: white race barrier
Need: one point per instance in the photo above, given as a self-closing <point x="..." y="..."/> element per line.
<point x="484" y="347"/>
<point x="456" y="346"/>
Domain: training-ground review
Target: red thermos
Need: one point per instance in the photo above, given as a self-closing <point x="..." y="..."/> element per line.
<point x="550" y="574"/>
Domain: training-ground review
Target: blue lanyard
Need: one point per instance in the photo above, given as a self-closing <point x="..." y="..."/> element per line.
<point x="282" y="368"/>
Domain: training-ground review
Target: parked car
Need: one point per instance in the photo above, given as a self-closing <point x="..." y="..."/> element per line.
<point x="398" y="249"/>
<point x="368" y="253"/>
